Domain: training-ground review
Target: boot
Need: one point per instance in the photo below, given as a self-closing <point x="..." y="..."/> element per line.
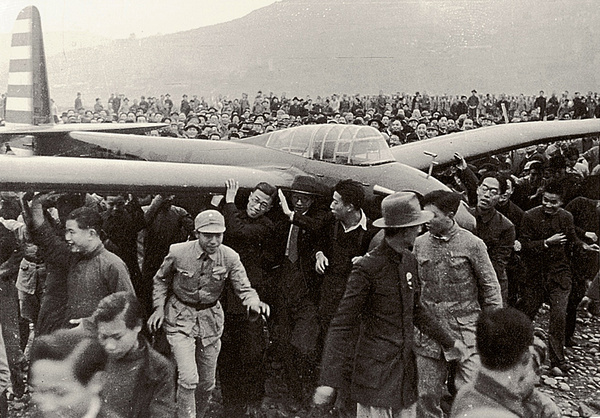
<point x="186" y="403"/>
<point x="202" y="399"/>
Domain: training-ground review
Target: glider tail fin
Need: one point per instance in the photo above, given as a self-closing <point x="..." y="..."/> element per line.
<point x="28" y="96"/>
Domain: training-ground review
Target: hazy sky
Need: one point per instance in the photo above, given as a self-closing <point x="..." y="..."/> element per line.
<point x="120" y="18"/>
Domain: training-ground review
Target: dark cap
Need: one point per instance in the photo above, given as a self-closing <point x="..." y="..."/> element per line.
<point x="307" y="185"/>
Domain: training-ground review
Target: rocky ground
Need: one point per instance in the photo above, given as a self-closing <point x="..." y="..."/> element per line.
<point x="577" y="393"/>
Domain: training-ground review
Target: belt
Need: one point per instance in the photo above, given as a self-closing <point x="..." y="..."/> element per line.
<point x="197" y="305"/>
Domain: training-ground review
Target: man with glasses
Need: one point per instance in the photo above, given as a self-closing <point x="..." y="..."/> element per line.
<point x="244" y="342"/>
<point x="298" y="284"/>
<point x="496" y="231"/>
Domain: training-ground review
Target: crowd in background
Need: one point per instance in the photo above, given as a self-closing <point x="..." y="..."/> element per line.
<point x="223" y="118"/>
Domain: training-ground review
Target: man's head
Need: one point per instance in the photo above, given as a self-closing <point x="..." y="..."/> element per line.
<point x="348" y="198"/>
<point x="510" y="188"/>
<point x="468" y="125"/>
<point x="443" y="123"/>
<point x="396" y="126"/>
<point x="82" y="230"/>
<point x="209" y="225"/>
<point x="422" y="130"/>
<point x="490" y="188"/>
<point x="553" y="197"/>
<point x="66" y="373"/>
<point x="505" y="343"/>
<point x="571" y="155"/>
<point x="305" y="190"/>
<point x="115" y="204"/>
<point x="444" y="206"/>
<point x="260" y="200"/>
<point x="503" y="337"/>
<point x="402" y="219"/>
<point x="118" y="319"/>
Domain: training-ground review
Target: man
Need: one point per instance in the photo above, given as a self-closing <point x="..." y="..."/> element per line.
<point x="457" y="281"/>
<point x="193" y="276"/>
<point x="122" y="220"/>
<point x="92" y="272"/>
<point x="515" y="269"/>
<point x="347" y="236"/>
<point x="369" y="347"/>
<point x="505" y="384"/>
<point x="191" y="131"/>
<point x="419" y="134"/>
<point x="241" y="361"/>
<point x="297" y="292"/>
<point x="473" y="104"/>
<point x="78" y="103"/>
<point x="140" y="382"/>
<point x="545" y="232"/>
<point x="540" y="103"/>
<point x="66" y="375"/>
<point x="461" y="107"/>
<point x="166" y="224"/>
<point x="496" y="231"/>
<point x="184" y="108"/>
<point x="584" y="264"/>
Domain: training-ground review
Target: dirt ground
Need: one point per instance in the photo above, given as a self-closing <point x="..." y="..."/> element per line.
<point x="577" y="394"/>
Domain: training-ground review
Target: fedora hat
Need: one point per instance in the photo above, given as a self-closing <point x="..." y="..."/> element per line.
<point x="307" y="185"/>
<point x="401" y="210"/>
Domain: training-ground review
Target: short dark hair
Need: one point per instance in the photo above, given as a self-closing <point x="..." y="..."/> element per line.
<point x="352" y="192"/>
<point x="503" y="335"/>
<point x="86" y="218"/>
<point x="498" y="177"/>
<point x="120" y="302"/>
<point x="555" y="187"/>
<point x="557" y="162"/>
<point x="571" y="152"/>
<point x="88" y="355"/>
<point x="443" y="200"/>
<point x="267" y="189"/>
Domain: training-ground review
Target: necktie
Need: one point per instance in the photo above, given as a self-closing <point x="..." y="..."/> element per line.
<point x="292" y="246"/>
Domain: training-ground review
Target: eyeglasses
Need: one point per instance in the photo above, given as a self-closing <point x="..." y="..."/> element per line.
<point x="256" y="201"/>
<point x="301" y="197"/>
<point x="492" y="192"/>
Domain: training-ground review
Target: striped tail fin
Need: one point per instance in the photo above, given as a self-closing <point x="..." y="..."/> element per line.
<point x="28" y="97"/>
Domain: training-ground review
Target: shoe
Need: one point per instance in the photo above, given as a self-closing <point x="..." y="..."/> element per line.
<point x="561" y="369"/>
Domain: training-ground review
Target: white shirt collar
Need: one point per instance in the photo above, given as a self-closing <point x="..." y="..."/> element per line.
<point x="362" y="223"/>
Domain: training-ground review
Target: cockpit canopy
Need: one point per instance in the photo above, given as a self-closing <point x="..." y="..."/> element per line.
<point x="339" y="144"/>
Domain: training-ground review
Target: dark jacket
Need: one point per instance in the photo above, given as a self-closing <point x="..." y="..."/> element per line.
<point x="340" y="248"/>
<point x="537" y="226"/>
<point x="155" y="391"/>
<point x="498" y="234"/>
<point x="250" y="237"/>
<point x="299" y="280"/>
<point x="379" y="308"/>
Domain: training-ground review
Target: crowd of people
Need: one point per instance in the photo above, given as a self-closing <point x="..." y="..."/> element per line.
<point x="418" y="116"/>
<point x="132" y="306"/>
